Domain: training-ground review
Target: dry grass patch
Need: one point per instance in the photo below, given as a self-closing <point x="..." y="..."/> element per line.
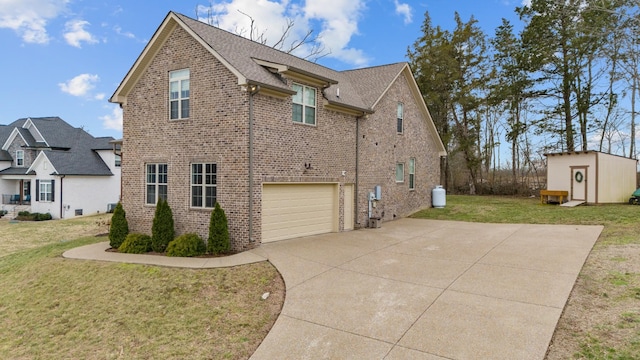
<point x="55" y="308"/>
<point x="23" y="235"/>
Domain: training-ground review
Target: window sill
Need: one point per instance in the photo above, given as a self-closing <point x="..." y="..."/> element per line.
<point x="305" y="124"/>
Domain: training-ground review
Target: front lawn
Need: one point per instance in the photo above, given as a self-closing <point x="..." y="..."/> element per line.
<point x="602" y="317"/>
<point x="55" y="308"/>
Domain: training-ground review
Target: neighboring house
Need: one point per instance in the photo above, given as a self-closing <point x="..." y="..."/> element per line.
<point x="591" y="176"/>
<point x="287" y="147"/>
<point x="48" y="166"/>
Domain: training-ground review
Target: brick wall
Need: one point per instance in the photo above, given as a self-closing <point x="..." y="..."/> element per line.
<point x="284" y="151"/>
<point x="381" y="147"/>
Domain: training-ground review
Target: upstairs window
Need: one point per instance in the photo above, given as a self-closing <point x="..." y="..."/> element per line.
<point x="179" y="94"/>
<point x="156" y="181"/>
<point x="203" y="185"/>
<point x="304" y="104"/>
<point x="400" y="124"/>
<point x="19" y="158"/>
<point x="118" y="161"/>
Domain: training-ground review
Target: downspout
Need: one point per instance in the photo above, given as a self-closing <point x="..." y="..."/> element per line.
<point x="61" y="187"/>
<point x="357" y="168"/>
<point x="252" y="92"/>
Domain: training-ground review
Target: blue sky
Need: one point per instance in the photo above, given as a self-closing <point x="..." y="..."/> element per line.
<point x="66" y="57"/>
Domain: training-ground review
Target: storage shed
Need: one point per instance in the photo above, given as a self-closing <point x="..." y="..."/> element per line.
<point x="592" y="176"/>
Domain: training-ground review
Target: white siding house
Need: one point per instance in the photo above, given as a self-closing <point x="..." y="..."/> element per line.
<point x="48" y="166"/>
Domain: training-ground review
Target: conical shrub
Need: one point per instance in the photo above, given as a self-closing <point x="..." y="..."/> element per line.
<point x="218" y="241"/>
<point x="162" y="230"/>
<point x="119" y="227"/>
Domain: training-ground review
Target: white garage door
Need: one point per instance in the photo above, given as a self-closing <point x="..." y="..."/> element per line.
<point x="290" y="211"/>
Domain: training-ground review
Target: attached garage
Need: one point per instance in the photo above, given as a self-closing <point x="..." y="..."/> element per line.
<point x="294" y="210"/>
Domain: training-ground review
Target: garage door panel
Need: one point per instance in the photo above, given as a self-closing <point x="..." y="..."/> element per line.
<point x="290" y="211"/>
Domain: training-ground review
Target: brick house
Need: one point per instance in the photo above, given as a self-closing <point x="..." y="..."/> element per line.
<point x="49" y="166"/>
<point x="287" y="147"/>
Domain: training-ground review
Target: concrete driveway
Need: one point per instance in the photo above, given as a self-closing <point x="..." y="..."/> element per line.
<point x="422" y="289"/>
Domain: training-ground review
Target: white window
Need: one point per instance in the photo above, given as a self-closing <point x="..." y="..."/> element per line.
<point x="45" y="191"/>
<point x="179" y="94"/>
<point x="203" y="185"/>
<point x="412" y="173"/>
<point x="400" y="172"/>
<point x="156" y="180"/>
<point x="304" y="104"/>
<point x="19" y="158"/>
<point x="400" y="123"/>
<point x="118" y="161"/>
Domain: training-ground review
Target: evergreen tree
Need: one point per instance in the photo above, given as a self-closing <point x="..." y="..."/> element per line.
<point x="218" y="241"/>
<point x="162" y="230"/>
<point x="119" y="227"/>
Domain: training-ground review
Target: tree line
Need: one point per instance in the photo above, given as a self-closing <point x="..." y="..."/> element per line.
<point x="567" y="80"/>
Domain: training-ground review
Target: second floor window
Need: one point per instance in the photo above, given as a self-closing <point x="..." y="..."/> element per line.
<point x="400" y="124"/>
<point x="20" y="158"/>
<point x="304" y="104"/>
<point x="179" y="94"/>
<point x="118" y="161"/>
<point x="156" y="180"/>
<point x="412" y="173"/>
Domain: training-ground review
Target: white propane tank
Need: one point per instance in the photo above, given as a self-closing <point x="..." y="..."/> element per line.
<point x="439" y="197"/>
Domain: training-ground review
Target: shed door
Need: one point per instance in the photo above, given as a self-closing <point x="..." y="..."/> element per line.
<point x="290" y="211"/>
<point x="579" y="183"/>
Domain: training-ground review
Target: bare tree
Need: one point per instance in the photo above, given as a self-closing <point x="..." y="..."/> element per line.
<point x="313" y="47"/>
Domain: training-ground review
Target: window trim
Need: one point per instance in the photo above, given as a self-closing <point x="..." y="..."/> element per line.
<point x="179" y="79"/>
<point x="203" y="185"/>
<point x="412" y="173"/>
<point x="314" y="106"/>
<point x="20" y="158"/>
<point x="156" y="183"/>
<point x="45" y="198"/>
<point x="400" y="118"/>
<point x="398" y="166"/>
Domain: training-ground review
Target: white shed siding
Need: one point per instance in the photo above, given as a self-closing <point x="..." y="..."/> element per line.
<point x="608" y="178"/>
<point x="559" y="174"/>
<point x="617" y="178"/>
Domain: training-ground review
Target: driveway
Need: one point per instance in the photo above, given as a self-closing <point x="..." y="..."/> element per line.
<point x="423" y="289"/>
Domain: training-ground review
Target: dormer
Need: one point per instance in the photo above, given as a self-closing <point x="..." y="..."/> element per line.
<point x="29" y="125"/>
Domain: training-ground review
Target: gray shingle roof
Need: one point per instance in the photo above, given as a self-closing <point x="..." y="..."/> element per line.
<point x="242" y="53"/>
<point x="5" y="156"/>
<point x="71" y="150"/>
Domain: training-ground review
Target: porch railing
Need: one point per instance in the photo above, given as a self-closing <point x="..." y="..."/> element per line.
<point x="14" y="199"/>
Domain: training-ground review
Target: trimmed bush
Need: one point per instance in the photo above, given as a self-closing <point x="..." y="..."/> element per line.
<point x="162" y="231"/>
<point x="186" y="245"/>
<point x="218" y="241"/>
<point x="42" y="217"/>
<point x="136" y="243"/>
<point x="119" y="227"/>
<point x="27" y="216"/>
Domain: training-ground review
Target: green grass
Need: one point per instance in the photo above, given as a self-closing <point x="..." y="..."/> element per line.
<point x="622" y="222"/>
<point x="56" y="308"/>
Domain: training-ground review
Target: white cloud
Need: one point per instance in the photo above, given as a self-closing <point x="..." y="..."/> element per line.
<point x="80" y="85"/>
<point x="126" y="34"/>
<point x="404" y="10"/>
<point x="113" y="121"/>
<point x="526" y="3"/>
<point x="338" y="20"/>
<point x="28" y="18"/>
<point x="75" y="33"/>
